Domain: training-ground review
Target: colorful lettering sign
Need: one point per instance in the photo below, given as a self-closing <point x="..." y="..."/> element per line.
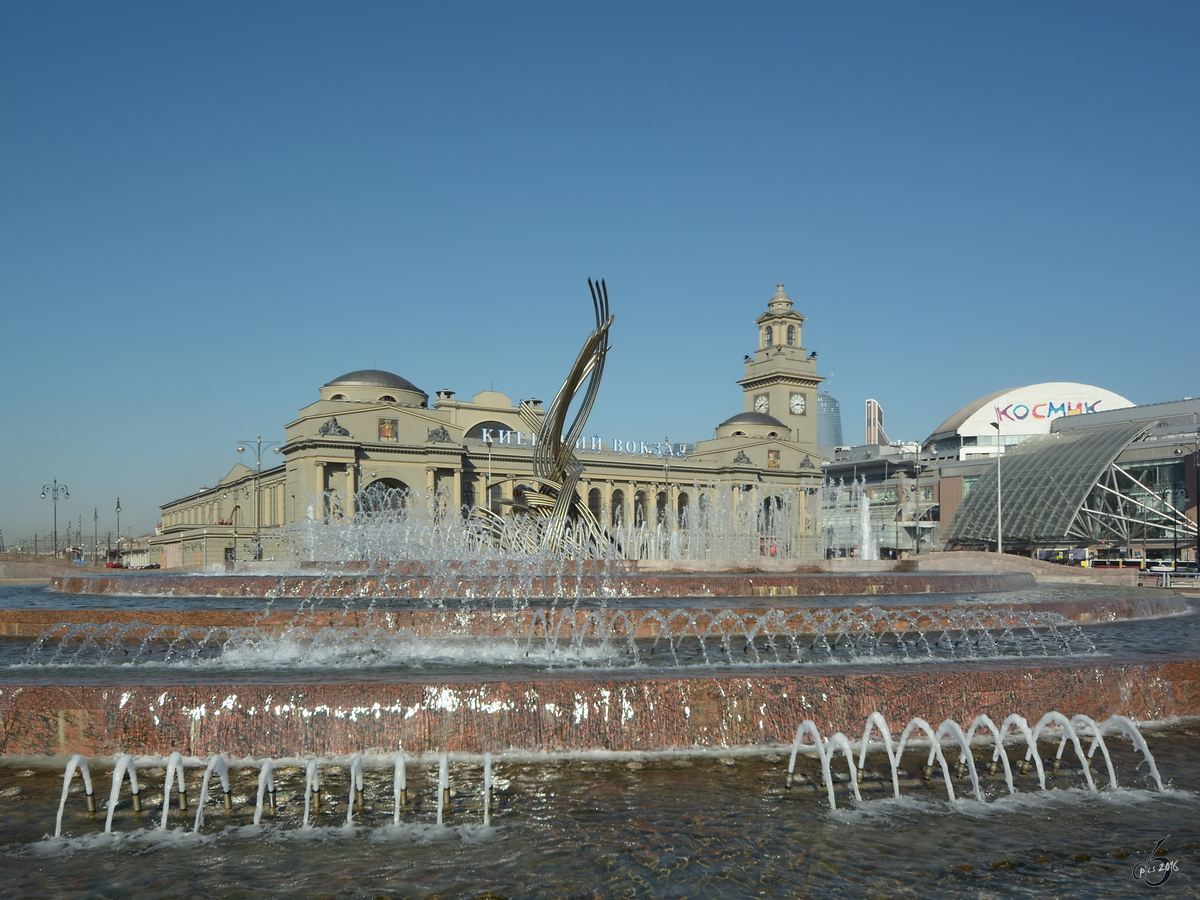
<point x="1019" y="412"/>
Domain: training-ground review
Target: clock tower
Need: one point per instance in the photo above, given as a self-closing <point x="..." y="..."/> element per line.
<point x="781" y="378"/>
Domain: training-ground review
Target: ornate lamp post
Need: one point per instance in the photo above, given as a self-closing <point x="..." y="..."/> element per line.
<point x="95" y="534"/>
<point x="54" y="490"/>
<point x="258" y="449"/>
<point x="118" y="529"/>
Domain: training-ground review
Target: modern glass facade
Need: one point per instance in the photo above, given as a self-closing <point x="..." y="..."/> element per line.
<point x="1072" y="487"/>
<point x="829" y="421"/>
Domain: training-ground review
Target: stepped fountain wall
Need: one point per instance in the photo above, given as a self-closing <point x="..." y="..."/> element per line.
<point x="565" y="709"/>
<point x="570" y="711"/>
<point x="641" y="621"/>
<point x="405" y="583"/>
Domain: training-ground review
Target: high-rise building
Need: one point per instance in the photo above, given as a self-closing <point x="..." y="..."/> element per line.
<point x="875" y="434"/>
<point x="829" y="421"/>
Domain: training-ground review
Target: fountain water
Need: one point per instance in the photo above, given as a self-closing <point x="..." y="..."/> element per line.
<point x="174" y="774"/>
<point x="77" y="763"/>
<point x="476" y="667"/>
<point x="123" y="766"/>
<point x="574" y="637"/>
<point x="918" y="734"/>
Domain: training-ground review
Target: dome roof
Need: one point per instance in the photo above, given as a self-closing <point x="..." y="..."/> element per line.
<point x="376" y="378"/>
<point x="956" y="421"/>
<point x="752" y="418"/>
<point x="1030" y="408"/>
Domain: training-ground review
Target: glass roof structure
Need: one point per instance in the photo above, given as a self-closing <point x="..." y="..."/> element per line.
<point x="1046" y="490"/>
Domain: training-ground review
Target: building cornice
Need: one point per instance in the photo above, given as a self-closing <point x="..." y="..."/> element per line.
<point x="757" y="381"/>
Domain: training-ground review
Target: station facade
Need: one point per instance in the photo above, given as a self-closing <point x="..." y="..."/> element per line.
<point x="371" y="433"/>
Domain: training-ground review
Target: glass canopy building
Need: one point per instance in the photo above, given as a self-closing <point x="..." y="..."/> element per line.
<point x="1118" y="484"/>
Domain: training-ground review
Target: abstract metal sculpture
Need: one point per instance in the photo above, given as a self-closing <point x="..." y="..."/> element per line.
<point x="566" y="526"/>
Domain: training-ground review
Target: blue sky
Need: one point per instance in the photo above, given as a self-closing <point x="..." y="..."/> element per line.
<point x="209" y="210"/>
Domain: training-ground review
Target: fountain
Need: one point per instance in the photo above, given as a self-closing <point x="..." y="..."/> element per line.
<point x="391" y="706"/>
<point x="475" y="709"/>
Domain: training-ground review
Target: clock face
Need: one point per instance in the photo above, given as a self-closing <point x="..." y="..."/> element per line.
<point x="761" y="403"/>
<point x="797" y="404"/>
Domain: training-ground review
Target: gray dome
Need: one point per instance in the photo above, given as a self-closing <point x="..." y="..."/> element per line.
<point x="752" y="418"/>
<point x="376" y="378"/>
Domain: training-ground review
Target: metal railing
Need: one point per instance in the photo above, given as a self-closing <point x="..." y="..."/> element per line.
<point x="1180" y="579"/>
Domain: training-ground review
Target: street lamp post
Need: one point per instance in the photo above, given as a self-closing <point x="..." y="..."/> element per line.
<point x="488" y="488"/>
<point x="95" y="534"/>
<point x="917" y="498"/>
<point x="1195" y="493"/>
<point x="1143" y="565"/>
<point x="258" y="449"/>
<point x="999" y="520"/>
<point x="54" y="490"/>
<point x="1174" y="531"/>
<point x="118" y="529"/>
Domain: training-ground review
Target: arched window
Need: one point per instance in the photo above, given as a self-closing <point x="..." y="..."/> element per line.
<point x="387" y="398"/>
<point x="639" y="508"/>
<point x="594" y="502"/>
<point x="660" y="508"/>
<point x="791" y="336"/>
<point x="768" y="336"/>
<point x="683" y="510"/>
<point x="338" y="397"/>
<point x="617" y="510"/>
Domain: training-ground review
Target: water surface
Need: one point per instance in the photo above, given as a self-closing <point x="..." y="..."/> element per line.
<point x="668" y="826"/>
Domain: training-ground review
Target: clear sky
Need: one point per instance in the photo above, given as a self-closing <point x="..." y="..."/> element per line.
<point x="208" y="210"/>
